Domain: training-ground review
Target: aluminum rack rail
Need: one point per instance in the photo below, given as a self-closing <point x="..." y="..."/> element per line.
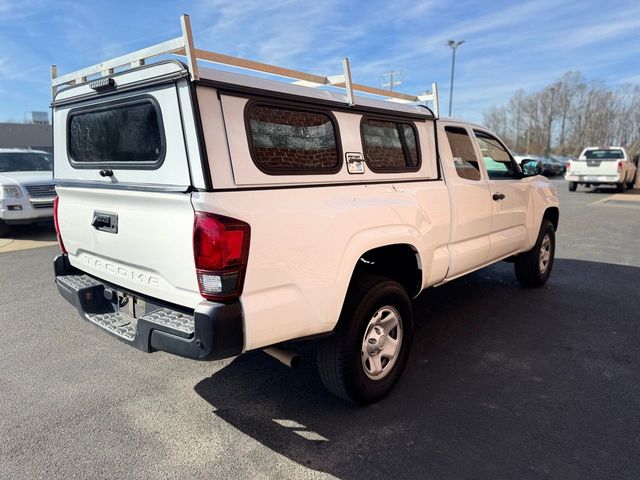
<point x="184" y="46"/>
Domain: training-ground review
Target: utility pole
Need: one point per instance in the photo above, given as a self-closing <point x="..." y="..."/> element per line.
<point x="454" y="45"/>
<point x="391" y="76"/>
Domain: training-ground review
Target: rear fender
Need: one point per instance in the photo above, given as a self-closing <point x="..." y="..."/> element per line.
<point x="363" y="242"/>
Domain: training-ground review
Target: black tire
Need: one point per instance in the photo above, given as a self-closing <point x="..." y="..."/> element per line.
<point x="573" y="186"/>
<point x="4" y="229"/>
<point x="528" y="265"/>
<point x="621" y="187"/>
<point x="339" y="356"/>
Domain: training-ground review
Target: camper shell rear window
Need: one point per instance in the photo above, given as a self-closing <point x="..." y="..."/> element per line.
<point x="124" y="134"/>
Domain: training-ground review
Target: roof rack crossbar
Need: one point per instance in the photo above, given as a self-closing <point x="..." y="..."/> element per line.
<point x="184" y="46"/>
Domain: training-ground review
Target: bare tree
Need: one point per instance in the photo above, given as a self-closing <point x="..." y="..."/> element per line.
<point x="568" y="115"/>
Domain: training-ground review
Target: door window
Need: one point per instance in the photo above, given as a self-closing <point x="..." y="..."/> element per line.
<point x="496" y="158"/>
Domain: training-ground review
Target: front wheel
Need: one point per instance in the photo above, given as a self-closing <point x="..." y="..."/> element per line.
<point x="364" y="358"/>
<point x="533" y="268"/>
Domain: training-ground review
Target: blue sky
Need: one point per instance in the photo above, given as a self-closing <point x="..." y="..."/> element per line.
<point x="508" y="44"/>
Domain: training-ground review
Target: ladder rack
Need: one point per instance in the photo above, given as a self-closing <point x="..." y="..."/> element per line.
<point x="184" y="46"/>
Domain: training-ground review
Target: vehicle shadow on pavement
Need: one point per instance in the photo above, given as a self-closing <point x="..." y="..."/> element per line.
<point x="502" y="382"/>
<point x="24" y="237"/>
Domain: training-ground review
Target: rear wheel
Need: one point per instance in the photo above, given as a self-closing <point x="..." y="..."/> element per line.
<point x="573" y="186"/>
<point x="533" y="268"/>
<point x="364" y="358"/>
<point x="621" y="187"/>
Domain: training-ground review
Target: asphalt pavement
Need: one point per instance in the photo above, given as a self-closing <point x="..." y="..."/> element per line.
<point x="502" y="382"/>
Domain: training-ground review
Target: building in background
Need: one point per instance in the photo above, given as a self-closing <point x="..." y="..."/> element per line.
<point x="36" y="133"/>
<point x="38" y="118"/>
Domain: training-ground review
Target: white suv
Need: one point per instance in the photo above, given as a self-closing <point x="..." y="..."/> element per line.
<point x="26" y="188"/>
<point x="609" y="166"/>
<point x="206" y="213"/>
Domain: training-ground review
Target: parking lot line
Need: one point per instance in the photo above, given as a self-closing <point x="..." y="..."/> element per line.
<point x="620" y="200"/>
<point x="44" y="239"/>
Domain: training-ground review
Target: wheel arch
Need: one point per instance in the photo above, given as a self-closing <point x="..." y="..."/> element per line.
<point x="553" y="215"/>
<point x="399" y="261"/>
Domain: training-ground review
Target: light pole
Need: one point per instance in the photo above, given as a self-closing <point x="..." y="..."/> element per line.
<point x="454" y="45"/>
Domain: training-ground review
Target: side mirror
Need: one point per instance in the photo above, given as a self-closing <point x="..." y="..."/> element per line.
<point x="530" y="167"/>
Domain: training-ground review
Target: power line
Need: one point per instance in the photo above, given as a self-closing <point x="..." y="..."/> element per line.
<point x="393" y="79"/>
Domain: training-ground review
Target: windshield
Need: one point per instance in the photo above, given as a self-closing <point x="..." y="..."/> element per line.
<point x="604" y="154"/>
<point x="25" y="162"/>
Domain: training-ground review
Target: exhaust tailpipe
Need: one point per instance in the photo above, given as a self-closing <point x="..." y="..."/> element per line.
<point x="290" y="359"/>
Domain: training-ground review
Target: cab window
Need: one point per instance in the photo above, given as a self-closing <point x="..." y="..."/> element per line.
<point x="464" y="156"/>
<point x="497" y="160"/>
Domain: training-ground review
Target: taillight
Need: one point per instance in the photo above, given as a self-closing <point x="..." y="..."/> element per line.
<point x="619" y="166"/>
<point x="56" y="223"/>
<point x="220" y="251"/>
<point x="568" y="165"/>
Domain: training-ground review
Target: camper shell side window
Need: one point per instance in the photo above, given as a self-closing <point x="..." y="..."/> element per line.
<point x="390" y="145"/>
<point x="290" y="140"/>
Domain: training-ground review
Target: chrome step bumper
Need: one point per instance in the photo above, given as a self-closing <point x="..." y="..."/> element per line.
<point x="211" y="331"/>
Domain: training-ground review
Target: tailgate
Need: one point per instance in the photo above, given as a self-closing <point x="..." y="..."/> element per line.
<point x="147" y="248"/>
<point x="594" y="167"/>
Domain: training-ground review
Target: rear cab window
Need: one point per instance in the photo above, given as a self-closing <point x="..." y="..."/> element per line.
<point x="604" y="154"/>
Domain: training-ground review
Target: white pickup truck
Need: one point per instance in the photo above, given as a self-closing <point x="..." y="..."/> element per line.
<point x="207" y="213"/>
<point x="609" y="166"/>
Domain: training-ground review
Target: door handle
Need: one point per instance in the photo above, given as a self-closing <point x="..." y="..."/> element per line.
<point x="498" y="196"/>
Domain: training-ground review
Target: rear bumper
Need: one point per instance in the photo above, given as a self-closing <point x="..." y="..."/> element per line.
<point x="211" y="331"/>
<point x="613" y="179"/>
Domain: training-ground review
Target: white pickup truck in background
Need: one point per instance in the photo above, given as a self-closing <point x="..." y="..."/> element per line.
<point x="596" y="166"/>
<point x="207" y="213"/>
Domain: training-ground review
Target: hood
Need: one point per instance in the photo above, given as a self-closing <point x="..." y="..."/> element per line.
<point x="25" y="178"/>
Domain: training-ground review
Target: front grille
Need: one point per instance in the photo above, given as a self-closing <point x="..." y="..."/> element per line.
<point x="43" y="205"/>
<point x="41" y="190"/>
